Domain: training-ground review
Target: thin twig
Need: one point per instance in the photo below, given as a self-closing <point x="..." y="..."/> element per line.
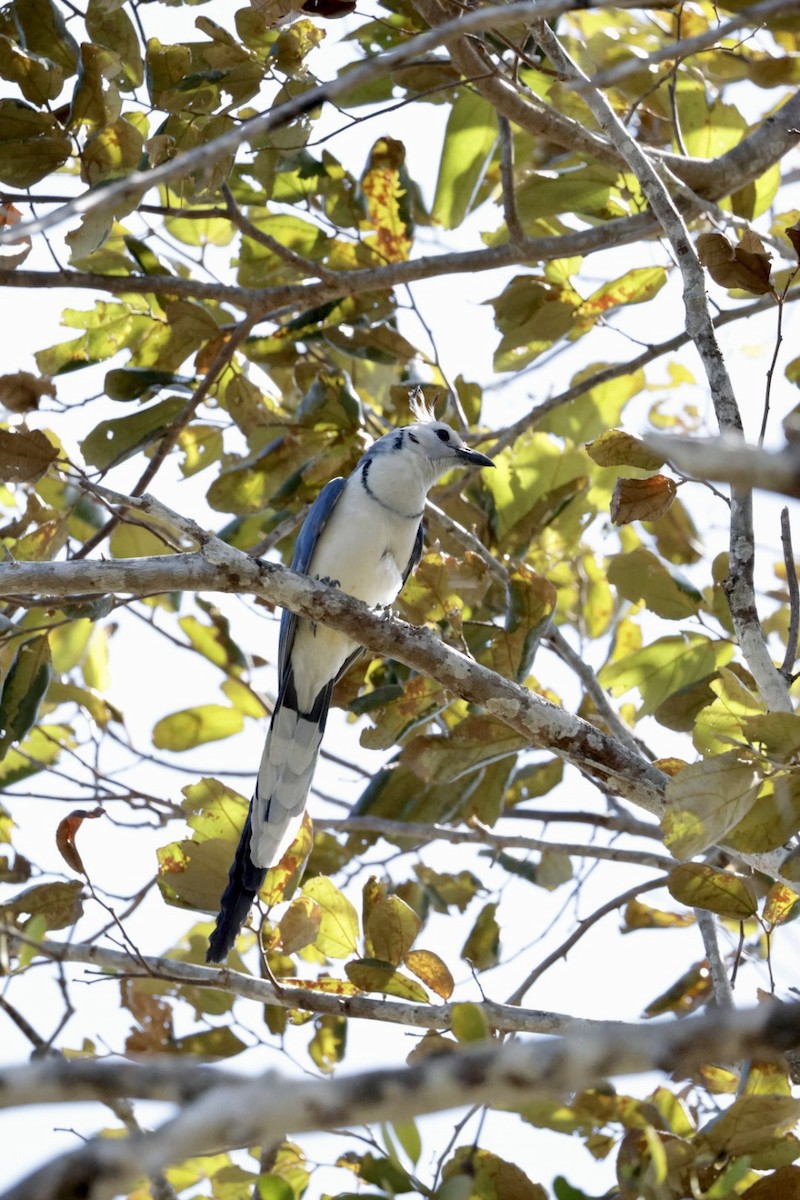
<point x="171" y="434"/>
<point x="304" y="266"/>
<point x="582" y="928"/>
<point x="586" y="675"/>
<point x="513" y="224"/>
<point x="723" y="992"/>
<point x="480" y="835"/>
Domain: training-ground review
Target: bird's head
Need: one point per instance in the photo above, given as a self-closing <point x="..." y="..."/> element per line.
<point x="440" y="444"/>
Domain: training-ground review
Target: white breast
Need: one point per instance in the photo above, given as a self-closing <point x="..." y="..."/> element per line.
<point x="364" y="551"/>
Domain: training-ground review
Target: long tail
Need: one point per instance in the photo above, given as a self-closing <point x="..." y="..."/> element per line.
<point x="276" y="810"/>
<point x="244" y="883"/>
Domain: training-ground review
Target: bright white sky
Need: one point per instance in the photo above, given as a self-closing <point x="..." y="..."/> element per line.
<point x="605" y="977"/>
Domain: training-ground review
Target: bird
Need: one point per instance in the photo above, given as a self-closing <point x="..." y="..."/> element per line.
<point x="364" y="535"/>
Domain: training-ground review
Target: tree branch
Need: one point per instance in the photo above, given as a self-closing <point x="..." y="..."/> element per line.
<point x="730" y="460"/>
<point x="130" y="188"/>
<point x="740" y="588"/>
<point x="293" y="994"/>
<point x="219" y="567"/>
<point x="420" y="834"/>
<point x="245" y="1112"/>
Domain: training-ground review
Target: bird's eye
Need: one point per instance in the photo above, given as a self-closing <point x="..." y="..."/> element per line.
<point x="443" y="435"/>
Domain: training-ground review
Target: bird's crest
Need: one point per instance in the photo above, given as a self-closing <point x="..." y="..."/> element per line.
<point x="421" y="411"/>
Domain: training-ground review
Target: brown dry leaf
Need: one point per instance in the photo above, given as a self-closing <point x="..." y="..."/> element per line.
<point x="12" y="254"/>
<point x="642" y="499"/>
<point x="65" y="836"/>
<point x="783" y="1184"/>
<point x="24" y="455"/>
<point x="793" y="234"/>
<point x="22" y="391"/>
<point x="153" y="1016"/>
<point x="746" y="266"/>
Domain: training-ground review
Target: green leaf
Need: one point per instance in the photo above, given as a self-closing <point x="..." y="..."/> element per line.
<point x="596" y="409"/>
<point x="639" y="575"/>
<point x="531" y="315"/>
<point x="390" y="926"/>
<point x="664" y="667"/>
<point x="720" y="725"/>
<point x="469" y="140"/>
<point x="749" y="1125"/>
<point x="214" y="810"/>
<point x="491" y="1177"/>
<point x="407" y="1135"/>
<point x="705" y="800"/>
<point x="193" y="726"/>
<point x="110" y="26"/>
<point x="327" y="1046"/>
<point x="469" y="1023"/>
<point x="776" y="733"/>
<point x="526" y="472"/>
<point x="300" y="924"/>
<point x="338" y="933"/>
<point x="708" y="129"/>
<point x="44" y="32"/>
<point x="584" y="190"/>
<point x="372" y="975"/>
<point x="272" y="1187"/>
<point x="193" y="874"/>
<point x="24" y="689"/>
<point x="38" y="751"/>
<point x="221" y="1042"/>
<point x="773" y="819"/>
<point x="700" y="886"/>
<point x="39" y="80"/>
<point x="111" y="151"/>
<point x="58" y="904"/>
<point x="634" y="287"/>
<point x="482" y="947"/>
<point x="115" y="440"/>
<point x="615" y="448"/>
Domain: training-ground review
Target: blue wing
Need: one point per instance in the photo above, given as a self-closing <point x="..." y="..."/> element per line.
<point x="416" y="553"/>
<point x="315" y="522"/>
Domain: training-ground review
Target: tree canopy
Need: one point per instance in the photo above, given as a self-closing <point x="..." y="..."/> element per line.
<point x="588" y="686"/>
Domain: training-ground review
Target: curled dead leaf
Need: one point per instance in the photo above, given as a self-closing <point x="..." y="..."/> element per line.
<point x="793" y="234"/>
<point x="22" y="391"/>
<point x="642" y="499"/>
<point x="25" y="455"/>
<point x="65" y="836"/>
<point x="747" y="266"/>
<point x="12" y="253"/>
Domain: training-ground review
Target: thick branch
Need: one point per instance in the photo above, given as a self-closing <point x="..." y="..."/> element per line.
<point x="505" y="1018"/>
<point x="219" y="567"/>
<point x="246" y="1113"/>
<point x="294" y="296"/>
<point x="709" y="178"/>
<point x="730" y="460"/>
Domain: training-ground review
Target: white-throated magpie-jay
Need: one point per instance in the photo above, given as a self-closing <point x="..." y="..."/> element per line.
<point x="362" y="534"/>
